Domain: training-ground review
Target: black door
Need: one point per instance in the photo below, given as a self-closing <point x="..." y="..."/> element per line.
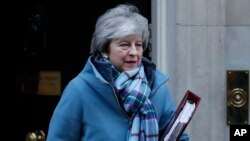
<point x="55" y="36"/>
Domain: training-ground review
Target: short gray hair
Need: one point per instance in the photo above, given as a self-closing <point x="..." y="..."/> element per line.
<point x="117" y="22"/>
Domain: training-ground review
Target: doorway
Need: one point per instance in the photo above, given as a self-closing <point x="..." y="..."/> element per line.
<point x="54" y="36"/>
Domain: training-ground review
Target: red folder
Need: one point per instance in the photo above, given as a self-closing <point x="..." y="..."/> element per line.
<point x="182" y="117"/>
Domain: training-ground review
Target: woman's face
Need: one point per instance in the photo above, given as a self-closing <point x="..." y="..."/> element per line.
<point x="126" y="53"/>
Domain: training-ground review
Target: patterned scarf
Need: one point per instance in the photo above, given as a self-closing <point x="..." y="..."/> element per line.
<point x="134" y="91"/>
<point x="132" y="87"/>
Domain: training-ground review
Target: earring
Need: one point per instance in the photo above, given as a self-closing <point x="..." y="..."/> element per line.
<point x="105" y="56"/>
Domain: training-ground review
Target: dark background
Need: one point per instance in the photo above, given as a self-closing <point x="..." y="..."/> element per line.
<point x="54" y="35"/>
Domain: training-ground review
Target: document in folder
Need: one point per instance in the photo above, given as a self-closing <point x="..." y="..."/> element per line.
<point x="182" y="117"/>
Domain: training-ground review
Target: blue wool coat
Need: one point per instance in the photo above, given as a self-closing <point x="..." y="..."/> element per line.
<point x="89" y="109"/>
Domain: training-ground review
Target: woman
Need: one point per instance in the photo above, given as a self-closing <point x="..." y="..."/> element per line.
<point x="119" y="95"/>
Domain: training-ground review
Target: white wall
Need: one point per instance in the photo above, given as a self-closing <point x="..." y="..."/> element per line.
<point x="199" y="41"/>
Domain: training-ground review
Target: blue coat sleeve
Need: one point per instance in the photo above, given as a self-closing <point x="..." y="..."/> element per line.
<point x="168" y="112"/>
<point x="65" y="124"/>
